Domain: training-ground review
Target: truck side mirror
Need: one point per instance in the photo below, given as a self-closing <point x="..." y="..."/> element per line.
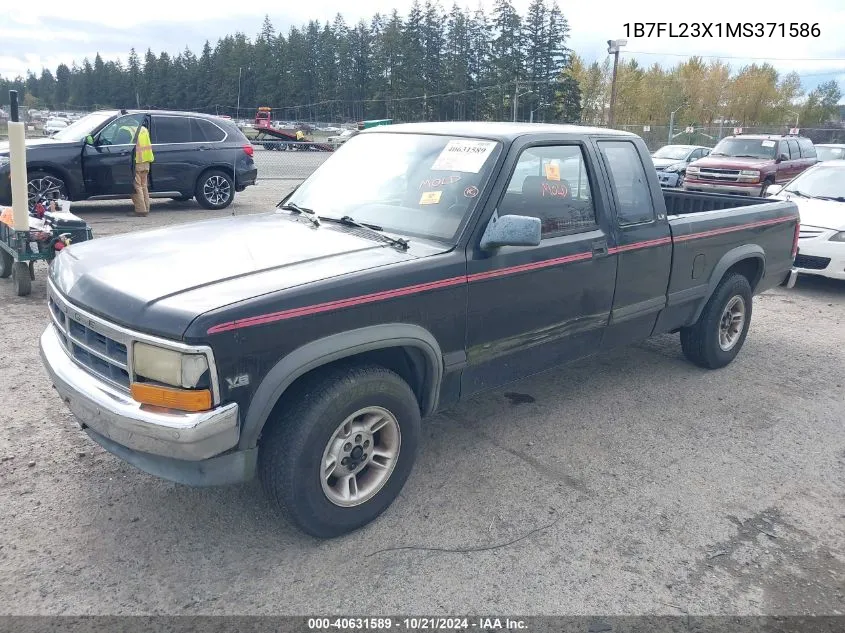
<point x="782" y="158"/>
<point x="511" y="230"/>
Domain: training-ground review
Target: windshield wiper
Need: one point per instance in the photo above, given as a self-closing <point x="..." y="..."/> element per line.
<point x="834" y="198"/>
<point x="800" y="194"/>
<point x="717" y="154"/>
<point x="372" y="229"/>
<point x="308" y="213"/>
<point x="742" y="156"/>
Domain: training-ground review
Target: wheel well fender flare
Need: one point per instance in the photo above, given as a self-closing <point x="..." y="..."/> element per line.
<point x="333" y="348"/>
<point x="52" y="168"/>
<point x="746" y="252"/>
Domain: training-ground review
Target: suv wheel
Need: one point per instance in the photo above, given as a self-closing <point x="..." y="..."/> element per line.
<point x="215" y="189"/>
<point x="342" y="449"/>
<point x="41" y="183"/>
<point x="718" y="335"/>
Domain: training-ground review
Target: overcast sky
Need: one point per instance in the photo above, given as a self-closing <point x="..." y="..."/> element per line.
<point x="49" y="32"/>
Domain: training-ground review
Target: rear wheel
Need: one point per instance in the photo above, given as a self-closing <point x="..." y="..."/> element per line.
<point x="342" y="449"/>
<point x="718" y="335"/>
<point x="21" y="277"/>
<point x="215" y="189"/>
<point x="6" y="262"/>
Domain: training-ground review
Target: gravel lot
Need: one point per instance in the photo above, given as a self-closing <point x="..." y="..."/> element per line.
<point x="643" y="484"/>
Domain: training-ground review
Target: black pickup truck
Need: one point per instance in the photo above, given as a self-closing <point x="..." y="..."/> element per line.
<point x="419" y="265"/>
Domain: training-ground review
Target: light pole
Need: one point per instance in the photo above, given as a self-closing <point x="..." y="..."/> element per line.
<point x="238" y="114"/>
<point x="672" y="121"/>
<point x="613" y="47"/>
<point x="539" y="107"/>
<point x="516" y="95"/>
<point x="796" y="116"/>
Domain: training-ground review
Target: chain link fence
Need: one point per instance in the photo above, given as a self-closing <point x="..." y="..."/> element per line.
<point x="656" y="136"/>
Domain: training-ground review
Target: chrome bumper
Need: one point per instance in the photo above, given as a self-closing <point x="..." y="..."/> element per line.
<point x="116" y="416"/>
<point x="725" y="187"/>
<point x="791" y="279"/>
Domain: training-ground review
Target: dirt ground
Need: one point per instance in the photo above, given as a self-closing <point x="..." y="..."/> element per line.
<point x="630" y="483"/>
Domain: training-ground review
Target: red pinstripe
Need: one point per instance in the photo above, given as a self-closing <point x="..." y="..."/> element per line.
<point x="453" y="281"/>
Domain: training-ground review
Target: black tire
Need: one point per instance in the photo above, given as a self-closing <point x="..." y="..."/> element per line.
<point x="21" y="278"/>
<point x="680" y="182"/>
<point x="40" y="181"/>
<point x="292" y="448"/>
<point x="765" y="187"/>
<point x="701" y="341"/>
<point x="6" y="261"/>
<point x="211" y="187"/>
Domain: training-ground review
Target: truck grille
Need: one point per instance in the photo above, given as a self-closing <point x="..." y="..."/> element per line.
<point x="101" y="355"/>
<point x="718" y="175"/>
<point x="811" y="262"/>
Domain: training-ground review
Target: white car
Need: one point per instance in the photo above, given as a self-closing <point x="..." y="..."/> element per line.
<point x="54" y="125"/>
<point x="341" y="138"/>
<point x="830" y="151"/>
<point x="819" y="193"/>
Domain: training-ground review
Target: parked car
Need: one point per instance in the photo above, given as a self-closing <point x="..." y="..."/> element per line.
<point x="404" y="274"/>
<point x="195" y="155"/>
<point x="671" y="162"/>
<point x="54" y="125"/>
<point x="830" y="151"/>
<point x="819" y="193"/>
<point x="750" y="164"/>
<point x="341" y="138"/>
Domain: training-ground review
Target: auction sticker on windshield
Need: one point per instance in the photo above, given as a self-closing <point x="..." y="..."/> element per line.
<point x="768" y="143"/>
<point x="462" y="155"/>
<point x="430" y="197"/>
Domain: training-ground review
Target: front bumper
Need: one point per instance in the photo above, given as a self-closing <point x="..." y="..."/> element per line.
<point x="668" y="178"/>
<point x="113" y="414"/>
<point x="827" y="258"/>
<point x="743" y="189"/>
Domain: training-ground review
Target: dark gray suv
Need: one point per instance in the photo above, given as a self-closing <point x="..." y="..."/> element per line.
<point x="196" y="155"/>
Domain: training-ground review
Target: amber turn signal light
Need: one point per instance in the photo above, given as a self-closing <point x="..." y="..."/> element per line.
<point x="170" y="398"/>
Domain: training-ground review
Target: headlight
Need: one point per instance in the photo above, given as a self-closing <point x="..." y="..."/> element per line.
<point x="749" y="172"/>
<point x="674" y="168"/>
<point x="692" y="169"/>
<point x="838" y="237"/>
<point x="169" y="367"/>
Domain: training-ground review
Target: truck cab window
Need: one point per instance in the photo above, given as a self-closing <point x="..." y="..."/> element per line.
<point x="630" y="186"/>
<point x="551" y="183"/>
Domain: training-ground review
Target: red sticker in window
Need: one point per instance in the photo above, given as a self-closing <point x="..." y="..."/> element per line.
<point x="555" y="190"/>
<point x="471" y="191"/>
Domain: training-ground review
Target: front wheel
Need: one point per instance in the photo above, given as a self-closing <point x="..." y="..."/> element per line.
<point x="42" y="185"/>
<point x="718" y="335"/>
<point x="680" y="182"/>
<point x="21" y="277"/>
<point x="342" y="449"/>
<point x="765" y="188"/>
<point x="215" y="189"/>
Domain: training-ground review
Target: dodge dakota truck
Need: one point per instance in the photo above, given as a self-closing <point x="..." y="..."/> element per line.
<point x="421" y="264"/>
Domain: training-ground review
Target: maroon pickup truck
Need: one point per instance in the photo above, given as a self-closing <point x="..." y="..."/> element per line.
<point x="747" y="165"/>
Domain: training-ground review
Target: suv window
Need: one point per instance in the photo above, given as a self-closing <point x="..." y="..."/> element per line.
<point x="630" y="186"/>
<point x="170" y="129"/>
<point x="121" y="131"/>
<point x="794" y="153"/>
<point x="551" y="183"/>
<point x="204" y="130"/>
<point x="808" y="150"/>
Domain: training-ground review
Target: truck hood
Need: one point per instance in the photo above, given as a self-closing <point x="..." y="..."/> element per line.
<point x="729" y="162"/>
<point x="825" y="214"/>
<point x="159" y="281"/>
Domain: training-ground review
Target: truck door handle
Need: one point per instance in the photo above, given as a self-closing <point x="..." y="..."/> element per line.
<point x="600" y="248"/>
<point x="204" y="147"/>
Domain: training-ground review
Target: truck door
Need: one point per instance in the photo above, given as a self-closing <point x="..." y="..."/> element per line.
<point x="107" y="164"/>
<point x="530" y="308"/>
<point x="644" y="243"/>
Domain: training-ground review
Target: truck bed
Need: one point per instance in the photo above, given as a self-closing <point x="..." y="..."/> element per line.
<point x="679" y="201"/>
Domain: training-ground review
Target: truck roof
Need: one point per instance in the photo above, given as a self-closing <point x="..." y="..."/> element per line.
<point x="500" y="131"/>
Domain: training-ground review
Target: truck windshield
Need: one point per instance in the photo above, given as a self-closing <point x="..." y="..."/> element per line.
<point x="675" y="152"/>
<point x="823" y="181"/>
<point x="411" y="184"/>
<point x="745" y="148"/>
<point x="82" y="128"/>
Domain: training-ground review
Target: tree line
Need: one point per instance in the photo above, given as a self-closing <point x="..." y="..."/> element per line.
<point x="430" y="64"/>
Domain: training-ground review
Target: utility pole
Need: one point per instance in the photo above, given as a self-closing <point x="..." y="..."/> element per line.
<point x="238" y="113"/>
<point x="613" y="47"/>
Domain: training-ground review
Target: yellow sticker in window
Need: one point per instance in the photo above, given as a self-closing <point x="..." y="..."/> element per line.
<point x="552" y="170"/>
<point x="430" y="197"/>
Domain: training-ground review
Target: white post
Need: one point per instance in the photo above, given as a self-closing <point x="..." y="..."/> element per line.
<point x="17" y="157"/>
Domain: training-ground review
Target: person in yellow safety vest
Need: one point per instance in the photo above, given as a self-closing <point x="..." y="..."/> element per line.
<point x="300" y="135"/>
<point x="143" y="159"/>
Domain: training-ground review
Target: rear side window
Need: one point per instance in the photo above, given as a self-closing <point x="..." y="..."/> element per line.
<point x="783" y="148"/>
<point x="808" y="150"/>
<point x="203" y="130"/>
<point x="171" y="129"/>
<point x="628" y="178"/>
<point x="793" y="149"/>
